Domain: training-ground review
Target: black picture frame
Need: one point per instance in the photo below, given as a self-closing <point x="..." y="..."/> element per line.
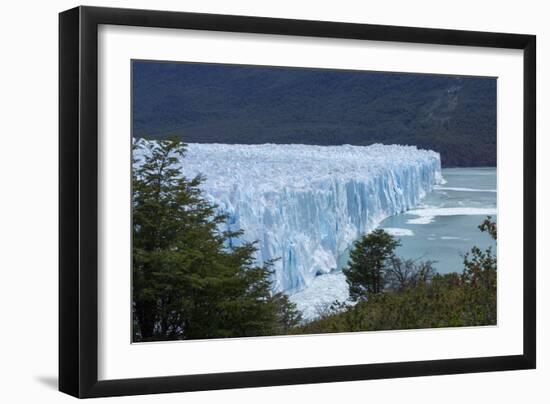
<point x="78" y="201"/>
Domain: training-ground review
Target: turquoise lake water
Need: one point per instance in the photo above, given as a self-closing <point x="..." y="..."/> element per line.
<point x="444" y="226"/>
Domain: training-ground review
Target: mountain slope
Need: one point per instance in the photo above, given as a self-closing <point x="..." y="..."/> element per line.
<point x="206" y="103"/>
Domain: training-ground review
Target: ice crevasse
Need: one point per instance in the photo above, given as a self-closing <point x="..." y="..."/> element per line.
<point x="305" y="205"/>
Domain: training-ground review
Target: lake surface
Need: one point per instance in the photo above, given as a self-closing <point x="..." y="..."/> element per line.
<point x="444" y="226"/>
<point x="442" y="229"/>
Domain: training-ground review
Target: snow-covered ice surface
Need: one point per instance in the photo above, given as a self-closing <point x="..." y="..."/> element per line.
<point x="322" y="291"/>
<point x="307" y="204"/>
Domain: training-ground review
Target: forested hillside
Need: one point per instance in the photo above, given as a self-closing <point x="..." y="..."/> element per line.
<point x="202" y="103"/>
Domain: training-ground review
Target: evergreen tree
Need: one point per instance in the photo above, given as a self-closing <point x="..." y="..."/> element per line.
<point x="187" y="282"/>
<point x="289" y="316"/>
<point x="370" y="258"/>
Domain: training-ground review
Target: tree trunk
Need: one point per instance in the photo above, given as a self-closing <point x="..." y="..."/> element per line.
<point x="145" y="314"/>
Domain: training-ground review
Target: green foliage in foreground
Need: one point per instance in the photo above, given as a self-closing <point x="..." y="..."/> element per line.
<point x="369" y="261"/>
<point x="417" y="297"/>
<point x="187" y="283"/>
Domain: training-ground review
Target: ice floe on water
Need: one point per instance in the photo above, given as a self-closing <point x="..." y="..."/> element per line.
<point x="428" y="214"/>
<point x="399" y="232"/>
<point x="459" y="189"/>
<point x="421" y="220"/>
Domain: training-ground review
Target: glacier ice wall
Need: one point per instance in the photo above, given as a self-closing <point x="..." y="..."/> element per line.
<point x="307" y="204"/>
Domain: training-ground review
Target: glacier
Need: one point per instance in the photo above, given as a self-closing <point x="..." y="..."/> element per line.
<point x="305" y="205"/>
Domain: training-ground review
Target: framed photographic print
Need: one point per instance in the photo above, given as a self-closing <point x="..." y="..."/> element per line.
<point x="251" y="201"/>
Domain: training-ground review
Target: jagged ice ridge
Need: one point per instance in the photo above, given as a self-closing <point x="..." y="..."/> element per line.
<point x="307" y="204"/>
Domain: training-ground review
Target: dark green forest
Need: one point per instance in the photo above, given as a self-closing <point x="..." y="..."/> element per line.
<point x="209" y="103"/>
<point x="190" y="282"/>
